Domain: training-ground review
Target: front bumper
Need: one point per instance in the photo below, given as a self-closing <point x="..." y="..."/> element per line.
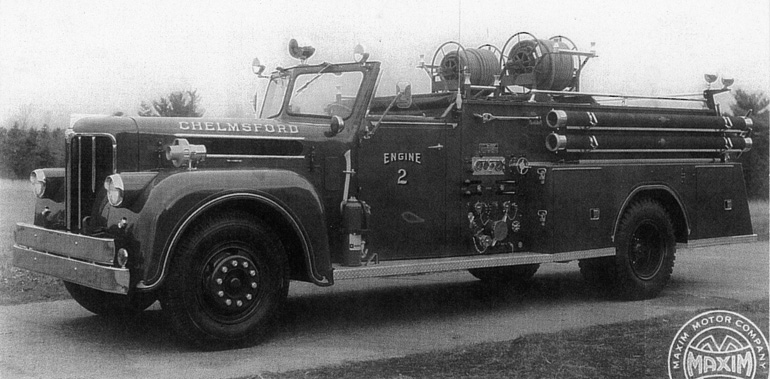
<point x="75" y="258"/>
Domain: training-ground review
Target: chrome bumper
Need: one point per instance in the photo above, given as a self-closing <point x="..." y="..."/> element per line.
<point x="71" y="257"/>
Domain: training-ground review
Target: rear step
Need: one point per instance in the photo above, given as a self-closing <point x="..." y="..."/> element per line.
<point x="432" y="265"/>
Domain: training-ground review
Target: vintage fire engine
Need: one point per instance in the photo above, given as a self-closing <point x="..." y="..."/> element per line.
<point x="504" y="165"/>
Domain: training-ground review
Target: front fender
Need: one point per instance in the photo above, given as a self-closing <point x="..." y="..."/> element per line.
<point x="176" y="201"/>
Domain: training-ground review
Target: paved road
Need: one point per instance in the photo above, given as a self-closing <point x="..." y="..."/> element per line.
<point x="362" y="320"/>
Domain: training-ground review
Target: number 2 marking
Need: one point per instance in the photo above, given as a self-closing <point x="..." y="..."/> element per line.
<point x="401" y="177"/>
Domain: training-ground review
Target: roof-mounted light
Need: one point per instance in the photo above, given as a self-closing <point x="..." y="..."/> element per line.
<point x="257" y="67"/>
<point x="359" y="54"/>
<point x="727" y="82"/>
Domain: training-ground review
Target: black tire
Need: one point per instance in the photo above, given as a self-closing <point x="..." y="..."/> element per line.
<point x="507" y="275"/>
<point x="645" y="251"/>
<point x="110" y="304"/>
<point x="227" y="282"/>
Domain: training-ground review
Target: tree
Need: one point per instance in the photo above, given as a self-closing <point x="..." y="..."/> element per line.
<point x="16" y="152"/>
<point x="175" y="104"/>
<point x="755" y="162"/>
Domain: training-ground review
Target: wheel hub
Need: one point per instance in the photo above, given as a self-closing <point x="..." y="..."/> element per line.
<point x="647" y="251"/>
<point x="233" y="284"/>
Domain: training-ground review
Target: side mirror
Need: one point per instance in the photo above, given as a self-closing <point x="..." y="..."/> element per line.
<point x="257" y="68"/>
<point x="336" y="125"/>
<point x="404" y="97"/>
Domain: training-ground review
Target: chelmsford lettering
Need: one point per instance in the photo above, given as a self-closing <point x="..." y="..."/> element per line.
<point x="211" y="126"/>
<point x="402" y="157"/>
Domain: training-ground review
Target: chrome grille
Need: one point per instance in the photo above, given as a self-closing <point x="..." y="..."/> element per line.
<point x="90" y="159"/>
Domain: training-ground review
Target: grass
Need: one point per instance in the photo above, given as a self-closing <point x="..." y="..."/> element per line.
<point x="17" y="204"/>
<point x="623" y="350"/>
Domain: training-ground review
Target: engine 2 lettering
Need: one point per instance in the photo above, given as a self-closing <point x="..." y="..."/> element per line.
<point x="401" y="157"/>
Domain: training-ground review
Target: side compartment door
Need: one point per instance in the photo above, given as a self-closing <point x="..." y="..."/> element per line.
<point x="723" y="209"/>
<point x="402" y="175"/>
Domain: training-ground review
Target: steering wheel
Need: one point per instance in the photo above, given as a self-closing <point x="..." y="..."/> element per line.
<point x="337" y="109"/>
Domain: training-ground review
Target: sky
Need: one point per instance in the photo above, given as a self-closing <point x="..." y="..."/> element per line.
<point x="84" y="56"/>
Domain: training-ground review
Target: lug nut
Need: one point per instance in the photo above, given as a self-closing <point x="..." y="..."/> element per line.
<point x="221" y="293"/>
<point x="253" y="284"/>
<point x="224" y="269"/>
<point x="229" y="302"/>
<point x="245" y="264"/>
<point x="219" y="281"/>
<point x="234" y="263"/>
<point x="239" y="303"/>
<point x="248" y="296"/>
<point x="253" y="273"/>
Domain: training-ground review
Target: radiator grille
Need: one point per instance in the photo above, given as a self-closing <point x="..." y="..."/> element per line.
<point x="90" y="159"/>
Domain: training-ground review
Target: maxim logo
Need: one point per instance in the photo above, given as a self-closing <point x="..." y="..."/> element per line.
<point x="718" y="344"/>
<point x="729" y="357"/>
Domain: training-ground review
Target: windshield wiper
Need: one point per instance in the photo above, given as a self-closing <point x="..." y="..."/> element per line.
<point x="318" y="75"/>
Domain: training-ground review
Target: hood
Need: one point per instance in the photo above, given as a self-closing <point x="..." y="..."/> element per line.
<point x="141" y="141"/>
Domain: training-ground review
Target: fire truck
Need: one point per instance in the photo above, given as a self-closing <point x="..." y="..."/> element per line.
<point x="504" y="165"/>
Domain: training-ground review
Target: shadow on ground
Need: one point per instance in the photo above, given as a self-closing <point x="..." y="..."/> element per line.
<point x="321" y="313"/>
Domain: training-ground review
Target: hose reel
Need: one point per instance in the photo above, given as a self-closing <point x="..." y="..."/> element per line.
<point x="447" y="68"/>
<point x="540" y="64"/>
<point x="543" y="64"/>
<point x="482" y="65"/>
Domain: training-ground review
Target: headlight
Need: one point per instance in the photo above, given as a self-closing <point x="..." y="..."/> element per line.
<point x="37" y="178"/>
<point x="114" y="186"/>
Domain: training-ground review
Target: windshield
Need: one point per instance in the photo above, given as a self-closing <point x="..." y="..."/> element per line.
<point x="274" y="96"/>
<point x="325" y="94"/>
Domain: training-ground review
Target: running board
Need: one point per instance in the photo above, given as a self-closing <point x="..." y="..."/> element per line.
<point x="717" y="241"/>
<point x="433" y="265"/>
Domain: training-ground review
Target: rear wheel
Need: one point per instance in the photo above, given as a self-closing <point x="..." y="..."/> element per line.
<point x="646" y="248"/>
<point x="110" y="304"/>
<point x="505" y="275"/>
<point x="227" y="282"/>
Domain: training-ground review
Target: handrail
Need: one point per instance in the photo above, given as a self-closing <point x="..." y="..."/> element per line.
<point x="613" y="95"/>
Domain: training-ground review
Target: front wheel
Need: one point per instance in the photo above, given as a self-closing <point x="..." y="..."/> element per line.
<point x="646" y="248"/>
<point x="227" y="282"/>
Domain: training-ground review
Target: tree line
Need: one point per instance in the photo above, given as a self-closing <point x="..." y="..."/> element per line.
<point x="24" y="148"/>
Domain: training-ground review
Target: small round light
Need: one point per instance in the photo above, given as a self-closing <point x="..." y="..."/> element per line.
<point x="122" y="257"/>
